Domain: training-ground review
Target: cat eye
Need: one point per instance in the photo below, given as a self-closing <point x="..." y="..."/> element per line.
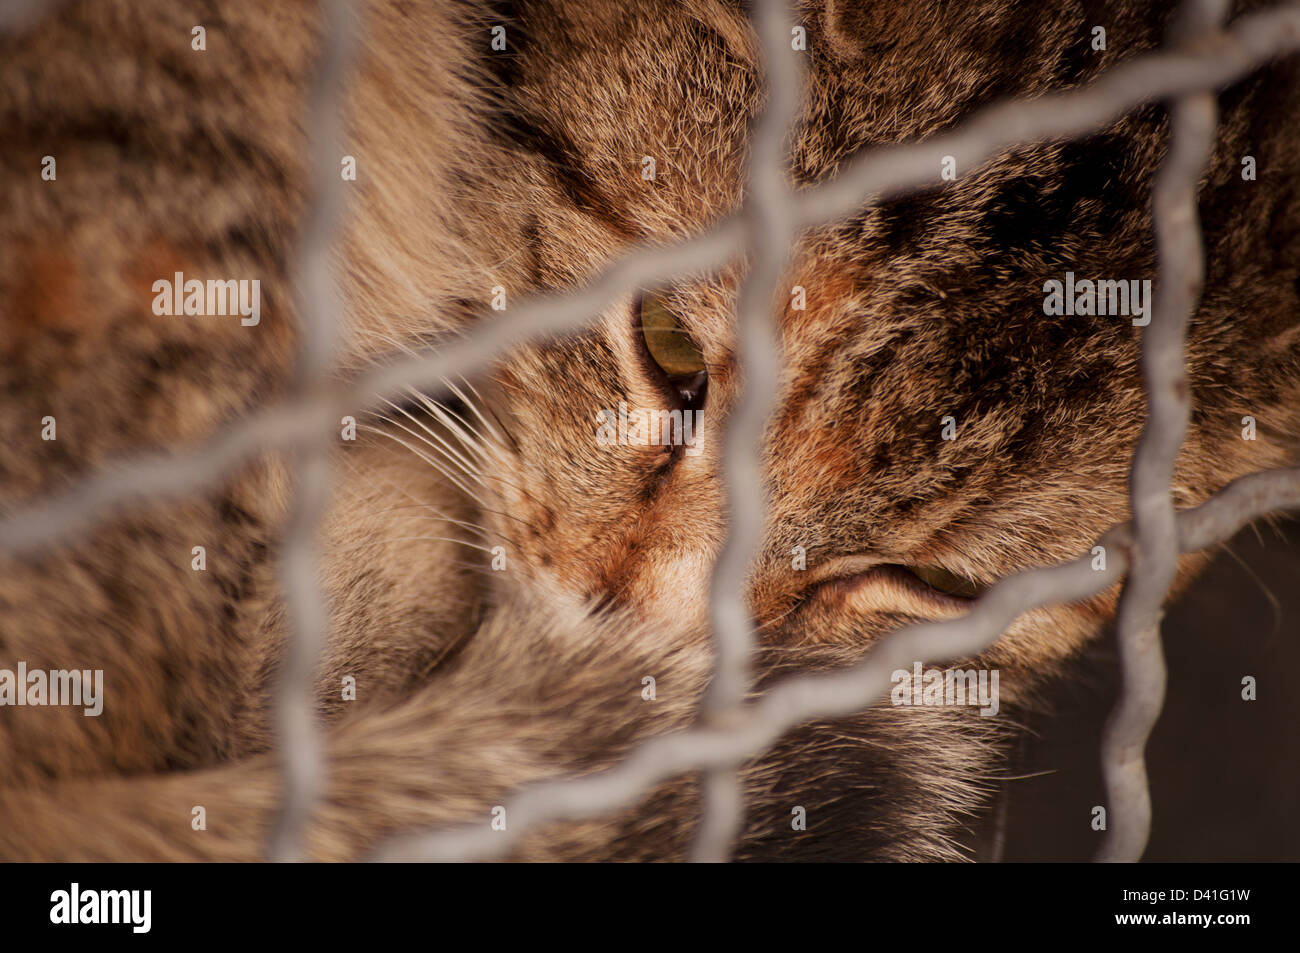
<point x="949" y="583"/>
<point x="671" y="348"/>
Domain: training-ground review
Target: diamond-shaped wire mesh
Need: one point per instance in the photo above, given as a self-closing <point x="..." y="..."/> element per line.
<point x="1199" y="57"/>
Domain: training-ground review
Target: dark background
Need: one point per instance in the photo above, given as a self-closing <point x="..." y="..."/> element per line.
<point x="1224" y="773"/>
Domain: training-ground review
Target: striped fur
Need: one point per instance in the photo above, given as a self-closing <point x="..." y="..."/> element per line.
<point x="522" y="169"/>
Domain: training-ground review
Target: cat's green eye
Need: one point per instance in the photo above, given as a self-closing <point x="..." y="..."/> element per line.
<point x="949" y="583"/>
<point x="671" y="347"/>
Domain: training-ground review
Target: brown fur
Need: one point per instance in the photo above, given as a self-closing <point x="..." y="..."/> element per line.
<point x="523" y="170"/>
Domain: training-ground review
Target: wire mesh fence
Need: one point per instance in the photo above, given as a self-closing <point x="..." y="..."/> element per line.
<point x="1199" y="57"/>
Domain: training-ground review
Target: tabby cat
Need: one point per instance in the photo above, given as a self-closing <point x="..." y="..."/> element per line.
<point x="501" y="581"/>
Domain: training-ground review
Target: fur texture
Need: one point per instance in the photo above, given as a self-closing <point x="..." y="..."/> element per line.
<point x="522" y="169"/>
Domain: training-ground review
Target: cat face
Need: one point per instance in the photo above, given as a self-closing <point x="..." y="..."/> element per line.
<point x="942" y="418"/>
<point x="940" y="423"/>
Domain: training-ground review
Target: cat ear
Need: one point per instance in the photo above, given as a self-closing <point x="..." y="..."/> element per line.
<point x="853" y="29"/>
<point x="730" y="19"/>
<point x="851" y="26"/>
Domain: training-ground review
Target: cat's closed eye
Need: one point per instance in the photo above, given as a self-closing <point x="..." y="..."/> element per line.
<point x="924" y="590"/>
<point x="949" y="583"/>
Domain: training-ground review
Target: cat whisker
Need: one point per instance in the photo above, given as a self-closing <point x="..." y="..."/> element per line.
<point x="481" y="507"/>
<point x="395" y="539"/>
<point x="472" y="527"/>
<point x="442" y="446"/>
<point x="468" y="437"/>
<point x="437" y="465"/>
<point x="468" y="402"/>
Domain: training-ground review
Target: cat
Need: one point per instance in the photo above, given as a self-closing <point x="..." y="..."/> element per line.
<point x="501" y="582"/>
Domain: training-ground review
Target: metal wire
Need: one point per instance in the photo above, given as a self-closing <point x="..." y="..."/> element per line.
<point x="299" y="737"/>
<point x="1180" y="273"/>
<point x="771" y="232"/>
<point x="1199" y="59"/>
